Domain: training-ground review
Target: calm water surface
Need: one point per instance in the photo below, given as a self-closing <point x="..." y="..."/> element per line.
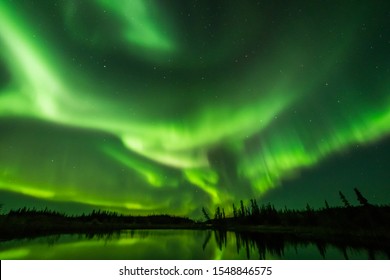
<point x="180" y="244"/>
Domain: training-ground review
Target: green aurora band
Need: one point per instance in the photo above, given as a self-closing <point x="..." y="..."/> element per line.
<point x="164" y="107"/>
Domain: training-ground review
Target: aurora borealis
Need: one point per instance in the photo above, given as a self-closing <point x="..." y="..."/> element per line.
<point x="167" y="106"/>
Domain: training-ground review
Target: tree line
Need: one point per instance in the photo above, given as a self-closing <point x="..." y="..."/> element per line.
<point x="363" y="216"/>
<point x="30" y="222"/>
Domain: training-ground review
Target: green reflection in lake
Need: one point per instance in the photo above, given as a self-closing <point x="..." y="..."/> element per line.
<point x="180" y="244"/>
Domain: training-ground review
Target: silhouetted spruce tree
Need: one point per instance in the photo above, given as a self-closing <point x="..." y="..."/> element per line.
<point x="242" y="210"/>
<point x="310" y="216"/>
<point x="275" y="219"/>
<point x="217" y="214"/>
<point x="344" y="200"/>
<point x="205" y="214"/>
<point x="255" y="210"/>
<point x="363" y="201"/>
<point x="326" y="205"/>
<point x="235" y="213"/>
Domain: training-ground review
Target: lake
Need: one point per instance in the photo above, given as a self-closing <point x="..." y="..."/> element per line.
<point x="181" y="244"/>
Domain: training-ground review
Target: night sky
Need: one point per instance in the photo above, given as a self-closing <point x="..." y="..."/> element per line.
<point x="167" y="106"/>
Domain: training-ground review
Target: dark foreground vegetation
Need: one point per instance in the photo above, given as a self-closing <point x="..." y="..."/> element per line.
<point x="31" y="222"/>
<point x="365" y="223"/>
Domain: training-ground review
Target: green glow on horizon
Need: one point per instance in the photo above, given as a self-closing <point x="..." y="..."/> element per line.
<point x="259" y="114"/>
<point x="28" y="190"/>
<point x="13" y="254"/>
